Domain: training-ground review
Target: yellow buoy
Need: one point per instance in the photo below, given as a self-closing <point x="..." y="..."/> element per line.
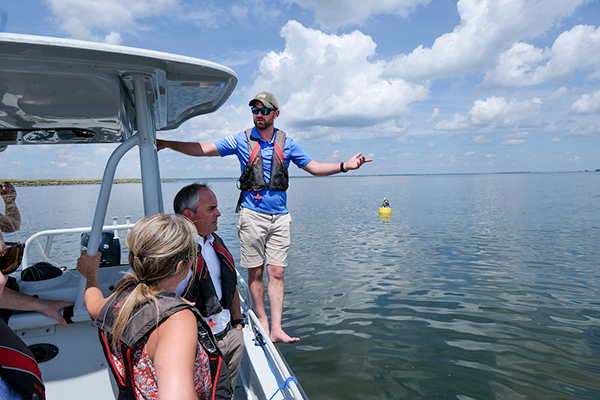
<point x="385" y="212"/>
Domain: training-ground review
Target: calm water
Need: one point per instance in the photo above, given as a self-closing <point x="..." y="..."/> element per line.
<point x="479" y="287"/>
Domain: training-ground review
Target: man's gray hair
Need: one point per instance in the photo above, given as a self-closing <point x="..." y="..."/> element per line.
<point x="188" y="198"/>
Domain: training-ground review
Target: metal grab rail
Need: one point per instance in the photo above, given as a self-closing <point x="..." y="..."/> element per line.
<point x="23" y="321"/>
<point x="54" y="232"/>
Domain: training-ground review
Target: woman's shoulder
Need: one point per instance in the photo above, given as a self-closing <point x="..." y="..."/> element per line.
<point x="177" y="331"/>
<point x="180" y="319"/>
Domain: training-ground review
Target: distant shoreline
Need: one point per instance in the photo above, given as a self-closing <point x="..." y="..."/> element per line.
<point x="69" y="182"/>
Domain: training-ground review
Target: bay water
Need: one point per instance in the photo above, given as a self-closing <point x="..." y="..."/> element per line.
<point x="477" y="287"/>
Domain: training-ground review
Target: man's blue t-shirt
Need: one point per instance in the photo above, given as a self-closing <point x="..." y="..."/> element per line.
<point x="265" y="201"/>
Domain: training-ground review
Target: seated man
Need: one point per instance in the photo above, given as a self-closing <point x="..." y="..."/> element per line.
<point x="214" y="289"/>
<point x="20" y="377"/>
<point x="10" y="222"/>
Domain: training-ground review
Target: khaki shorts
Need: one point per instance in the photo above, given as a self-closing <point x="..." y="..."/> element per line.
<point x="263" y="237"/>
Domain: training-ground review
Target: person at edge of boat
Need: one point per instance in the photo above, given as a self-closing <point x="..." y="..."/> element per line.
<point x="264" y="222"/>
<point x="20" y="376"/>
<point x="157" y="345"/>
<point x="10" y="222"/>
<point x="386" y="203"/>
<point x="214" y="287"/>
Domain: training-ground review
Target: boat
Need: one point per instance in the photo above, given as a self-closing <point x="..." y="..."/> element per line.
<point x="63" y="92"/>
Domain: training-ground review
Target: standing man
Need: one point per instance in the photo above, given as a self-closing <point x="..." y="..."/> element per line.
<point x="214" y="288"/>
<point x="265" y="153"/>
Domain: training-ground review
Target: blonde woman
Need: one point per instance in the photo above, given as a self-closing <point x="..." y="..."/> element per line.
<point x="155" y="344"/>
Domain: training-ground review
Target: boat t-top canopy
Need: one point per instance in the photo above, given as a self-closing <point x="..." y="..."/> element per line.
<point x="58" y="91"/>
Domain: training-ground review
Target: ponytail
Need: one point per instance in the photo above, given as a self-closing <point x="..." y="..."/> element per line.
<point x="157" y="245"/>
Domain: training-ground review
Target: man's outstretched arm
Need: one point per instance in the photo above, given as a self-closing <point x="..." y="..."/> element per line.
<point x="189" y="148"/>
<point x="323" y="169"/>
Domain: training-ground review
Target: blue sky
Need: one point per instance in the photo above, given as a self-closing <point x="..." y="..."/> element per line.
<point x="421" y="86"/>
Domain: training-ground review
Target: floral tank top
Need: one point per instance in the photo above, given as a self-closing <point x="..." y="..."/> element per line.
<point x="145" y="386"/>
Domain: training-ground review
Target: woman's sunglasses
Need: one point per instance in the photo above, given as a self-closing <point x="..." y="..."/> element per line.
<point x="10" y="258"/>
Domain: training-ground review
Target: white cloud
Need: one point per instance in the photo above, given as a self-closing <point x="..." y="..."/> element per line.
<point x="517" y="135"/>
<point x="526" y="65"/>
<point x="560" y="93"/>
<point x="390" y="128"/>
<point x="481" y="139"/>
<point x="494" y="112"/>
<point x="84" y="19"/>
<point x="329" y="80"/>
<point x="333" y="14"/>
<point x="334" y="156"/>
<point x="487" y="28"/>
<point x="407" y="140"/>
<point x="587" y="104"/>
<point x="584" y="129"/>
<point x="434" y="115"/>
<point x="515" y="65"/>
<point x="113" y="38"/>
<point x="104" y="150"/>
<point x="214" y="15"/>
<point x="513" y="142"/>
<point x="226" y="121"/>
<point x="514" y="139"/>
<point x="57" y="164"/>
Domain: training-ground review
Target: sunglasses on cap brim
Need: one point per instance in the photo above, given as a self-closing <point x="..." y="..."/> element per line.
<point x="11" y="257"/>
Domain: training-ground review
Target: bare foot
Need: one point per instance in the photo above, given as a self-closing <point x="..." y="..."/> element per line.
<point x="281" y="336"/>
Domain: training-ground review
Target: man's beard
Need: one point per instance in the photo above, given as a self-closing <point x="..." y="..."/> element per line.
<point x="263" y="124"/>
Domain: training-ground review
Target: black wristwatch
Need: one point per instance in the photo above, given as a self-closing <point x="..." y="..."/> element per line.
<point x="241" y="321"/>
<point x="342" y="168"/>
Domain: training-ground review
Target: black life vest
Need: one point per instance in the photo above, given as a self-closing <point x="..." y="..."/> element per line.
<point x="18" y="367"/>
<point x="253" y="176"/>
<point x="202" y="290"/>
<point x="143" y="322"/>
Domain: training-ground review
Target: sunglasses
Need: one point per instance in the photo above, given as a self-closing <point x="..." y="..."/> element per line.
<point x="11" y="257"/>
<point x="263" y="111"/>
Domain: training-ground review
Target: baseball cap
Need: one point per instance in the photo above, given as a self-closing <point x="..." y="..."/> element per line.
<point x="267" y="99"/>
